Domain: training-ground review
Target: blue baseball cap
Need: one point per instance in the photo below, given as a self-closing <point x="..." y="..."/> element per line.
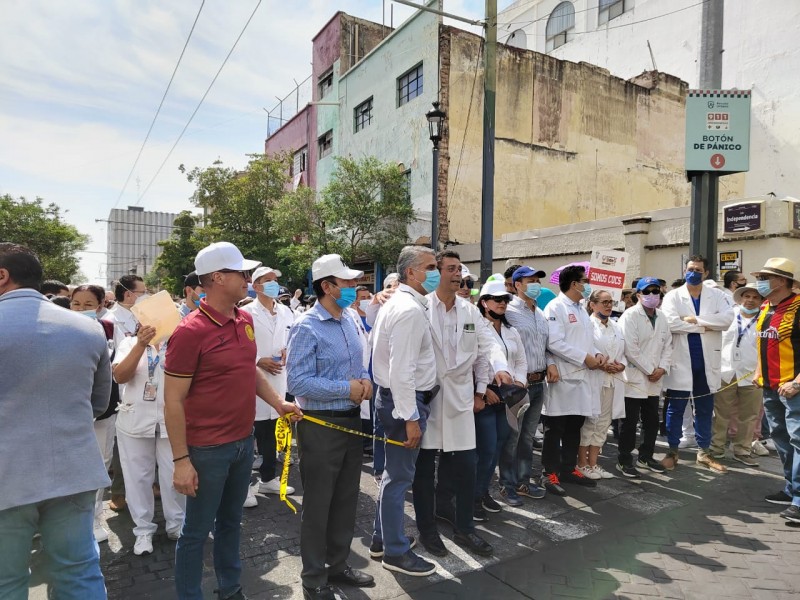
<point x="646" y="282"/>
<point x="526" y="272"/>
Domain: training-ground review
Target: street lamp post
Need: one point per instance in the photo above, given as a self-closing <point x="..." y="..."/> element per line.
<point x="436" y="119"/>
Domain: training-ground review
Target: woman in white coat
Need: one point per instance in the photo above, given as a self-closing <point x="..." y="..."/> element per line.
<point x="608" y="341"/>
<point x="142" y="437"/>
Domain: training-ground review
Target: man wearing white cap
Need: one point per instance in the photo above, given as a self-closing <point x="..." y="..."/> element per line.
<point x="211" y="380"/>
<point x="271" y="321"/>
<point x="326" y="374"/>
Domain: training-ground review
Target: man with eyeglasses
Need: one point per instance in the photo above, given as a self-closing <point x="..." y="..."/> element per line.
<point x="697" y="315"/>
<point x="211" y="380"/>
<point x="648" y="348"/>
<point x="129" y="289"/>
<point x="466" y="288"/>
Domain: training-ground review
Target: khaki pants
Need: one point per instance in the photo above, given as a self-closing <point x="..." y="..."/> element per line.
<point x="740" y="401"/>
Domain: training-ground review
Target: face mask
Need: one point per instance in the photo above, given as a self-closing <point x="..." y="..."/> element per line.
<point x="494" y="315"/>
<point x="587" y="291"/>
<point x="346" y="298"/>
<point x="432" y="279"/>
<point x="271" y="289"/>
<point x="199" y="297"/>
<point x="650" y="300"/>
<point x="749" y="311"/>
<point x="764" y="287"/>
<point x="533" y="290"/>
<point x="142" y="297"/>
<point x="364" y="304"/>
<point x="693" y="277"/>
<point x="92" y="314"/>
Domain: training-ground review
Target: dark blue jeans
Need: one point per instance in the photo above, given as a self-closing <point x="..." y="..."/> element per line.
<point x="784" y="424"/>
<point x="378" y="447"/>
<point x="516" y="457"/>
<point x="224" y="476"/>
<point x="491" y="432"/>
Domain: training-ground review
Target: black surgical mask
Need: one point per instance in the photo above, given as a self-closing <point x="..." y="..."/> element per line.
<point x="494" y="315"/>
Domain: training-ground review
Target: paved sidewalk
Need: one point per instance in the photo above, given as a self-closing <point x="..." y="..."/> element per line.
<point x="688" y="534"/>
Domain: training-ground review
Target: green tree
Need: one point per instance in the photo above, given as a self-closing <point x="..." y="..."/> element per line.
<point x="41" y="228"/>
<point x="177" y="255"/>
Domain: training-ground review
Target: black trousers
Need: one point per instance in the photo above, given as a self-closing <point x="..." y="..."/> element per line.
<point x="264" y="432"/>
<point x="562" y="436"/>
<point x="330" y="470"/>
<point x="453" y="491"/>
<point x="647" y="409"/>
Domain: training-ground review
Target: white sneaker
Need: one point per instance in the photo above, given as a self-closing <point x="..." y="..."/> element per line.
<point x="144" y="544"/>
<point x="759" y="449"/>
<point x="251" y="501"/>
<point x="273" y="486"/>
<point x="602" y="472"/>
<point x="688" y="442"/>
<point x="769" y="444"/>
<point x="100" y="534"/>
<point x="589" y="472"/>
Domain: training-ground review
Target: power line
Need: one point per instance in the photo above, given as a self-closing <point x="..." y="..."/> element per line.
<point x="160" y="104"/>
<point x="224" y="62"/>
<point x="466" y="126"/>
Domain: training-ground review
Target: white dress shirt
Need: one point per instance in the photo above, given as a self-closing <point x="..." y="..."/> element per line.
<point x="739" y="353"/>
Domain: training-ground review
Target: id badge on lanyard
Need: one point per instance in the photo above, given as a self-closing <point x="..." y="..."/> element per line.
<point x="151" y="386"/>
<point x="737" y="353"/>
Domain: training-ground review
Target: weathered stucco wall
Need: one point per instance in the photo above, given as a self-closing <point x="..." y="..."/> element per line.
<point x="573" y="143"/>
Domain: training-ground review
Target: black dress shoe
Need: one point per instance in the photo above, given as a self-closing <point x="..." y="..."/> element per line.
<point x="353" y="577"/>
<point x="433" y="544"/>
<point x="409" y="564"/>
<point x="474" y="543"/>
<point x="446" y="514"/>
<point x="325" y="592"/>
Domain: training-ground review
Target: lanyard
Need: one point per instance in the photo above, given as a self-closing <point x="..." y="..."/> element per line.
<point x="152" y="362"/>
<point x="742" y="331"/>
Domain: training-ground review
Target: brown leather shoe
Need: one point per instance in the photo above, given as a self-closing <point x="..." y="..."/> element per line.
<point x="705" y="459"/>
<point x="670" y="461"/>
<point x="118" y="503"/>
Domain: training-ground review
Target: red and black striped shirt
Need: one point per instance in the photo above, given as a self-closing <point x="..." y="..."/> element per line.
<point x="778" y="335"/>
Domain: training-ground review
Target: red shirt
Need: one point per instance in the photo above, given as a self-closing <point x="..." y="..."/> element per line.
<point x="778" y="339"/>
<point x="219" y="354"/>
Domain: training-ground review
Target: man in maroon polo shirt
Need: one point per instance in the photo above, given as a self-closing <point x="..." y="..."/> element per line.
<point x="209" y="413"/>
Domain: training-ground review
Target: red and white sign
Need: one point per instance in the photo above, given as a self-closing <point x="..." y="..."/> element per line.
<point x="717" y="161"/>
<point x="607" y="271"/>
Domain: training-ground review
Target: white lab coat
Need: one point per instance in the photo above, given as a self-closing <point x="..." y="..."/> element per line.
<point x="136" y="416"/>
<point x="511" y="342"/>
<point x="451" y="424"/>
<point x="609" y="341"/>
<point x="570" y="338"/>
<point x="716" y="315"/>
<point x="647" y="347"/>
<point x="271" y="335"/>
<point x="739" y="365"/>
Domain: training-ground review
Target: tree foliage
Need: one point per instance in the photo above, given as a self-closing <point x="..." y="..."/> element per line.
<point x="177" y="255"/>
<point x="41" y="228"/>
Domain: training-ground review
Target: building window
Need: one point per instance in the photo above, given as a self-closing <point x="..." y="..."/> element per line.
<point x="362" y="115"/>
<point x="560" y="26"/>
<point x="325" y="84"/>
<point x="325" y="143"/>
<point x="409" y="85"/>
<point x="518" y="39"/>
<point x="611" y="9"/>
<point x="407" y="184"/>
<point x="299" y="160"/>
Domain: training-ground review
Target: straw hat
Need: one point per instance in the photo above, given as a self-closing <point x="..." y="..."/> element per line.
<point x="782" y="267"/>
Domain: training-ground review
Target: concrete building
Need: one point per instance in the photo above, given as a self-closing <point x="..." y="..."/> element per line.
<point x="760" y="53"/>
<point x="132" y="242"/>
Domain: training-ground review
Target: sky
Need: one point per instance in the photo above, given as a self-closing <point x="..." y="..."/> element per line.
<point x="82" y="82"/>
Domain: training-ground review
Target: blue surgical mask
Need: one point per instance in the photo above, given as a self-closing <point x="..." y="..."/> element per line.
<point x="271" y="289"/>
<point x="92" y="314"/>
<point x="764" y="287"/>
<point x="199" y="297"/>
<point x="346" y="297"/>
<point x="693" y="277"/>
<point x="533" y="290"/>
<point x="749" y="311"/>
<point x="432" y="279"/>
<point x="587" y="291"/>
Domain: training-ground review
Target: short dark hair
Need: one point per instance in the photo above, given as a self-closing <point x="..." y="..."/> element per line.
<point x="510" y="271"/>
<point x="677" y="283"/>
<point x="730" y="277"/>
<point x="22" y="264"/>
<point x="570" y="275"/>
<point x="126" y="283"/>
<point x="61" y="301"/>
<point x="442" y="254"/>
<point x="698" y="258"/>
<point x="317" y="285"/>
<point x="192" y="280"/>
<point x="52" y="286"/>
<point x="96" y="290"/>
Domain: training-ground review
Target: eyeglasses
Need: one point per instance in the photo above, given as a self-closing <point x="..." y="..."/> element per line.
<point x="605" y="302"/>
<point x="468" y="283"/>
<point x="650" y="292"/>
<point x="503" y="299"/>
<point x="245" y="274"/>
<point x="764" y="277"/>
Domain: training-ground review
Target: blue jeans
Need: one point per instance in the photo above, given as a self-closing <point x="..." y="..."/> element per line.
<point x="783" y="415"/>
<point x="516" y="456"/>
<point x="72" y="556"/>
<point x="491" y="432"/>
<point x="223" y="472"/>
<point x="378" y="448"/>
<point x="703" y="411"/>
<point x="398" y="475"/>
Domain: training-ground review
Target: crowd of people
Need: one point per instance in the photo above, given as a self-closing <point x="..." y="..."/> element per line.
<point x="456" y="382"/>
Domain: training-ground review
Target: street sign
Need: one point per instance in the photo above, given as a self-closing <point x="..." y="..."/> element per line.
<point x="718" y="131"/>
<point x="607" y="271"/>
<point x="729" y="261"/>
<point x="745" y="217"/>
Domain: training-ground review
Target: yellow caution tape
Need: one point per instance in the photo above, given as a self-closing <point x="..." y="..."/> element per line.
<point x="283" y="438"/>
<point x="352" y="431"/>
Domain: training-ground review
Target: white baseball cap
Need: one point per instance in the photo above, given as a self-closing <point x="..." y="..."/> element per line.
<point x="332" y="265"/>
<point x="220" y="256"/>
<point x="495" y="288"/>
<point x="261" y="271"/>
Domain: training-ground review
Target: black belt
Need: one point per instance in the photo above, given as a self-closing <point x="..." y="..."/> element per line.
<point x="350" y="412"/>
<point x="536" y="377"/>
<point x="428" y="396"/>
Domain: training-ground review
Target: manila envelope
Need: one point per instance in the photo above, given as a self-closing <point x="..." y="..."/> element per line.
<point x="158" y="311"/>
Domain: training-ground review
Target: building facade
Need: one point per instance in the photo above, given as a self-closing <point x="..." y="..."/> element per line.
<point x="132" y="242"/>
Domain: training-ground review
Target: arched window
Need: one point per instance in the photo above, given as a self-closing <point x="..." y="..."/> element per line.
<point x="560" y="25"/>
<point x="518" y="39"/>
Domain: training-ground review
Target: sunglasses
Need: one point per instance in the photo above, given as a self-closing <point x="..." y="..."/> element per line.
<point x="244" y="274"/>
<point x="468" y="283"/>
<point x="504" y="299"/>
<point x="650" y="292"/>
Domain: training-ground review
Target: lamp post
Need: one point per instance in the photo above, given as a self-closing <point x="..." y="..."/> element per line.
<point x="436" y="119"/>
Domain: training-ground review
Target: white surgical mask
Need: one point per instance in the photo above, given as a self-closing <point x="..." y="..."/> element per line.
<point x="140" y="298"/>
<point x="363" y="304"/>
